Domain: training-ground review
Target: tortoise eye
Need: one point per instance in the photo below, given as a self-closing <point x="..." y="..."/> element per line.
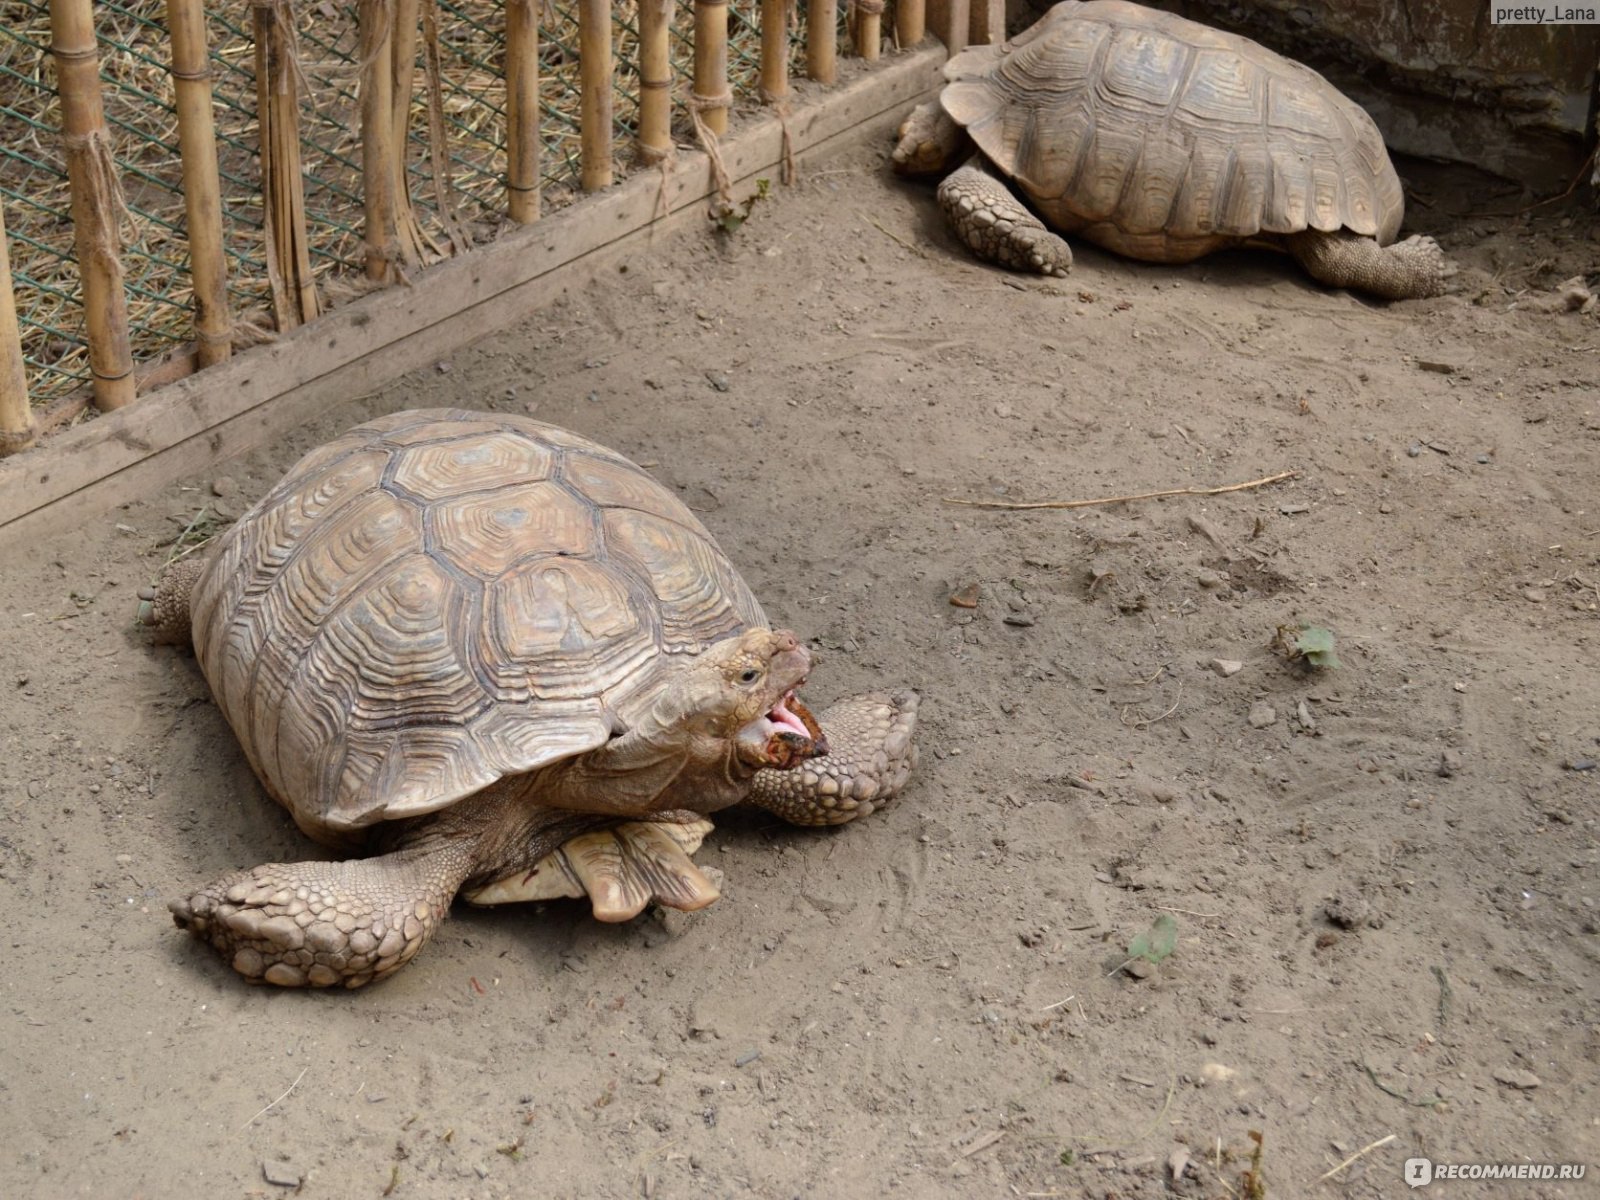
<point x="749" y="675"/>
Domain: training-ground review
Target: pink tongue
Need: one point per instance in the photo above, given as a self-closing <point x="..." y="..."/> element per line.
<point x="784" y="719"/>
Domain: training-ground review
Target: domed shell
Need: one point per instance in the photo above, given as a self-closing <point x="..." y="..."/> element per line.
<point x="1164" y="139"/>
<point x="439" y="599"/>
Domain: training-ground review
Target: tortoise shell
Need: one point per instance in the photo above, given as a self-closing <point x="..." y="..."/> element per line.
<point x="1164" y="139"/>
<point x="439" y="599"/>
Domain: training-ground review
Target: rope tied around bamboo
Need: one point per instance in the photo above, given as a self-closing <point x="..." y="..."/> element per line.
<point x="865" y="22"/>
<point x="104" y="191"/>
<point x="711" y="144"/>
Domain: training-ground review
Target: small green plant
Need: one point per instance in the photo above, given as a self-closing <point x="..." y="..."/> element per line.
<point x="1308" y="644"/>
<point x="729" y="217"/>
<point x="1151" y="946"/>
<point x="1253" y="1184"/>
<point x="1155" y="943"/>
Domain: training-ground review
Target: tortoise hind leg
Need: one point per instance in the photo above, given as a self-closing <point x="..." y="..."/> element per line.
<point x="996" y="225"/>
<point x="621" y="870"/>
<point x="165" y="607"/>
<point x="870" y="756"/>
<point x="1408" y="270"/>
<point x="322" y="924"/>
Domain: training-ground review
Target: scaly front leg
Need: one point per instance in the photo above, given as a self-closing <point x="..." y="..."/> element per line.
<point x="997" y="227"/>
<point x="870" y="756"/>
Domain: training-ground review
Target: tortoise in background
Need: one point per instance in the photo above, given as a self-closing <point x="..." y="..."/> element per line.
<point x="1163" y="140"/>
<point x="512" y="664"/>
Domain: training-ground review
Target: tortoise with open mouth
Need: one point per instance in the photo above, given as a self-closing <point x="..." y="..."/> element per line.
<point x="507" y="663"/>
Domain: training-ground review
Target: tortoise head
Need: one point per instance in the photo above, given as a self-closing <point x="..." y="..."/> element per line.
<point x="929" y="141"/>
<point x="742" y="691"/>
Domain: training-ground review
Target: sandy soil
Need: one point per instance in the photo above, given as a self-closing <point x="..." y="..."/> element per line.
<point x="1383" y="877"/>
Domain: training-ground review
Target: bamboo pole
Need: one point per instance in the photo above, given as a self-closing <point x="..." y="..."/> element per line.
<point x="774" y="85"/>
<point x="868" y="33"/>
<point x="202" y="189"/>
<point x="438" y="152"/>
<point x="97" y="205"/>
<point x="949" y="20"/>
<point x="910" y="23"/>
<point x="294" y="290"/>
<point x="594" y="73"/>
<point x="655" y="81"/>
<point x="711" y="96"/>
<point x="522" y="111"/>
<point x="413" y="240"/>
<point x="17" y="430"/>
<point x="986" y="22"/>
<point x="378" y="171"/>
<point x="822" y="40"/>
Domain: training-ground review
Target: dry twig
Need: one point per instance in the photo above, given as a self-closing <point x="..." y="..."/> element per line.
<point x="1383" y="1141"/>
<point x="1188" y="491"/>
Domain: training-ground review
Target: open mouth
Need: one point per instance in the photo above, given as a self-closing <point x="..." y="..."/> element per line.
<point x="785" y="719"/>
<point x="787" y="733"/>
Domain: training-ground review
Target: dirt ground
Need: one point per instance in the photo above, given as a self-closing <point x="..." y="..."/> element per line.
<point x="1383" y="876"/>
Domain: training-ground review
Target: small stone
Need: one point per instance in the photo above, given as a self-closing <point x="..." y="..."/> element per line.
<point x="1482" y="460"/>
<point x="1450" y="763"/>
<point x="1533" y="595"/>
<point x="1302" y="712"/>
<point x="1021" y="620"/>
<point x="1579" y="764"/>
<point x="1206" y="530"/>
<point x="1156" y="789"/>
<point x="965" y="597"/>
<point x="1226" y="666"/>
<point x="1348" y="911"/>
<point x="1178" y="1162"/>
<point x="1386" y="509"/>
<point x="1414" y="450"/>
<point x="1524" y="1081"/>
<point x="280" y="1174"/>
<point x="1210" y="580"/>
<point x="224" y="485"/>
<point x="1261" y="715"/>
<point x="718" y="380"/>
<point x="442" y="367"/>
<point x="1140" y="968"/>
<point x="748" y="1057"/>
<point x="1575" y="294"/>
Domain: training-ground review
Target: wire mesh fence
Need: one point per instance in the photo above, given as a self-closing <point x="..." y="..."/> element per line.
<point x="456" y="184"/>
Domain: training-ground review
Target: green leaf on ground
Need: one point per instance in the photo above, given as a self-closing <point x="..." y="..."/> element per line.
<point x="1155" y="943"/>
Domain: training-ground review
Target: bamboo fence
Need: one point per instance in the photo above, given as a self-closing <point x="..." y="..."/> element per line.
<point x="177" y="180"/>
